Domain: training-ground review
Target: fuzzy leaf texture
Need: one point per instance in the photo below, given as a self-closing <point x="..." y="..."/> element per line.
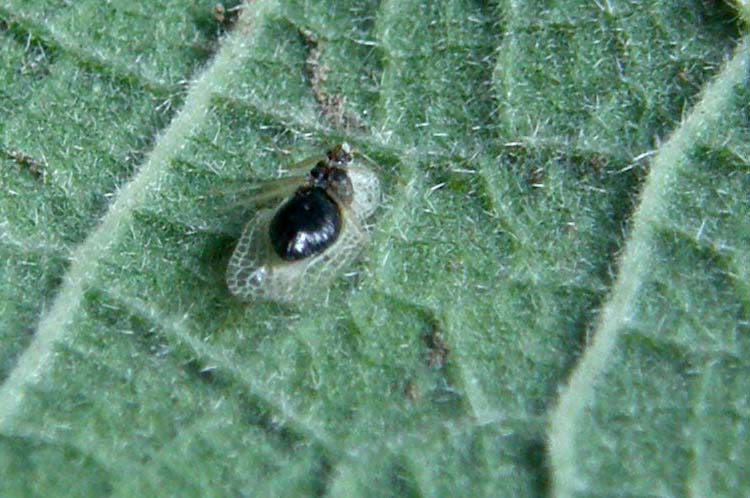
<point x="554" y="300"/>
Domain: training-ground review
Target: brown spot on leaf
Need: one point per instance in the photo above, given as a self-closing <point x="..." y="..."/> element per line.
<point x="412" y="391"/>
<point x="26" y="162"/>
<point x="438" y="350"/>
<point x="332" y="105"/>
<point x="226" y="16"/>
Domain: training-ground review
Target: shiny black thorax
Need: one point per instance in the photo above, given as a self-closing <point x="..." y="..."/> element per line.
<point x="311" y="220"/>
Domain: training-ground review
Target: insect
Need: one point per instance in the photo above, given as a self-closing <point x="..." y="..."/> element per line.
<point x="289" y="253"/>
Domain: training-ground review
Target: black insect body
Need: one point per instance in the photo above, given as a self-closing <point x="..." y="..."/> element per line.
<point x="306" y="224"/>
<point x="284" y="255"/>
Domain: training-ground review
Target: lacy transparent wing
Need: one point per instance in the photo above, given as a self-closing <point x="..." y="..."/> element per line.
<point x="256" y="272"/>
<point x="366" y="187"/>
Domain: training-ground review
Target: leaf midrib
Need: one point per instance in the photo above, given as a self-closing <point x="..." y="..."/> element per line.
<point x="85" y="258"/>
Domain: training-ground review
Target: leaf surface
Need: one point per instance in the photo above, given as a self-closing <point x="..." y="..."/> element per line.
<point x="522" y="147"/>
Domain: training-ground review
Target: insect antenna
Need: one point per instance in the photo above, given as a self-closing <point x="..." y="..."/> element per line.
<point x="304" y="166"/>
<point x="260" y="193"/>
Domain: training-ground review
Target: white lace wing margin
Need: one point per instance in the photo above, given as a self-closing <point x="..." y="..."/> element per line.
<point x="256" y="272"/>
<point x="366" y="188"/>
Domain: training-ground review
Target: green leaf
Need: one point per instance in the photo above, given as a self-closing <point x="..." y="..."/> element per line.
<point x="660" y="400"/>
<point x="566" y="195"/>
<point x="743" y="8"/>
